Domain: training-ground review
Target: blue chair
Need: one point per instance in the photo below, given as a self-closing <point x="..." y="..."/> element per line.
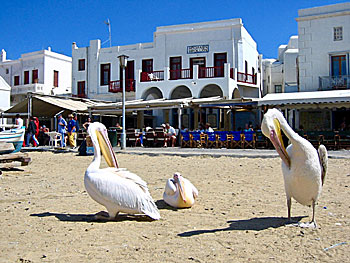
<point x="222" y="138"/>
<point x="212" y="139"/>
<point x="236" y="138"/>
<point x="195" y="139"/>
<point x="185" y="139"/>
<point x="249" y="139"/>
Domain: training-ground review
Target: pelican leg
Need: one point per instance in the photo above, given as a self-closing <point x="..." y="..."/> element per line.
<point x="105" y="216"/>
<point x="289" y="206"/>
<point x="311" y="224"/>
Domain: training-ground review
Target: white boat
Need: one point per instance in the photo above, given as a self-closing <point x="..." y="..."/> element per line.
<point x="12" y="135"/>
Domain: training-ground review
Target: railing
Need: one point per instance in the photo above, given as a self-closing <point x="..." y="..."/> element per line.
<point x="83" y="95"/>
<point x="334" y="82"/>
<point x="152" y="76"/>
<point x="211" y="72"/>
<point x="114" y="86"/>
<point x="24" y="89"/>
<point x="246" y="78"/>
<point x="181" y="74"/>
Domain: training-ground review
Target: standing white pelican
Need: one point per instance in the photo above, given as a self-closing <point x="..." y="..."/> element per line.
<point x="179" y="192"/>
<point x="304" y="168"/>
<point x="115" y="188"/>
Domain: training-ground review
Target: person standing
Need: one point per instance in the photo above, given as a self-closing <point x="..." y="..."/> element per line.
<point x="71" y="128"/>
<point x="18" y="121"/>
<point x="31" y="132"/>
<point x="62" y="129"/>
<point x="36" y="121"/>
<point x="77" y="128"/>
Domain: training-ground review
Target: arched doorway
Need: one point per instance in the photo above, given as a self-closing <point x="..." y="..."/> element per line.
<point x="181" y="92"/>
<point x="236" y="94"/>
<point x="211" y="90"/>
<point x="152" y="93"/>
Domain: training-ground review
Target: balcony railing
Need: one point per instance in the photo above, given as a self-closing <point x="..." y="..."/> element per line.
<point x="83" y="95"/>
<point x="152" y="76"/>
<point x="246" y="78"/>
<point x="211" y="72"/>
<point x="334" y="82"/>
<point x="116" y="86"/>
<point x="181" y="74"/>
<point x="24" y="89"/>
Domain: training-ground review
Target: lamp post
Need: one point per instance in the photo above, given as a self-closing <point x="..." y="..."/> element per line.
<point x="123" y="59"/>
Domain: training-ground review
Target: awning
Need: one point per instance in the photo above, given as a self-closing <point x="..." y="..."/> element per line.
<point x="307" y="100"/>
<point x="48" y="106"/>
<point x="116" y="108"/>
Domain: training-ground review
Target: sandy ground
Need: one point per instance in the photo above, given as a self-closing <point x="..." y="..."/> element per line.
<point x="47" y="216"/>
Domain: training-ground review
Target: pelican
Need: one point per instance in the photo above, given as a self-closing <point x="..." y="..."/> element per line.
<point x="179" y="192"/>
<point x="304" y="168"/>
<point x="115" y="188"/>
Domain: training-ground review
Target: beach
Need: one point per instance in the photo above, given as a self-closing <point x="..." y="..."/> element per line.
<point x="240" y="215"/>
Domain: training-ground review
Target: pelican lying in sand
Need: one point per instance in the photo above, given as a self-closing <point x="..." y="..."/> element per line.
<point x="304" y="168"/>
<point x="115" y="188"/>
<point x="179" y="192"/>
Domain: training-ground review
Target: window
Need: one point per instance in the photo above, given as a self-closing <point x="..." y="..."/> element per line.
<point x="26" y="77"/>
<point x="147" y="65"/>
<point x="81" y="89"/>
<point x="16" y="80"/>
<point x="278" y="88"/>
<point x="219" y="60"/>
<point x="105" y="74"/>
<point x="35" y="76"/>
<point x="175" y="67"/>
<point x="338" y="33"/>
<point x="55" y="78"/>
<point x="338" y="65"/>
<point x="7" y="71"/>
<point x="81" y="64"/>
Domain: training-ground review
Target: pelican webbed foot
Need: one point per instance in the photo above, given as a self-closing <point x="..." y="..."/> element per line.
<point x="104" y="216"/>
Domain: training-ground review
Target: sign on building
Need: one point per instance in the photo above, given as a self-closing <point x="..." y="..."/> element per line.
<point x="197" y="49"/>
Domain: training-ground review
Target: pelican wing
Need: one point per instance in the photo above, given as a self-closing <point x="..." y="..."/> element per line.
<point x="170" y="188"/>
<point x="123" y="192"/>
<point x="323" y="156"/>
<point x="194" y="189"/>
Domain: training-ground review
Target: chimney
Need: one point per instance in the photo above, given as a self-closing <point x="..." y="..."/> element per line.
<point x="3" y="55"/>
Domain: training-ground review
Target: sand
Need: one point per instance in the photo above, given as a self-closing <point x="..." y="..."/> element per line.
<point x="240" y="214"/>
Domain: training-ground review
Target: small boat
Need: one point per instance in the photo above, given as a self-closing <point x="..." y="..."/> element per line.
<point x="15" y="136"/>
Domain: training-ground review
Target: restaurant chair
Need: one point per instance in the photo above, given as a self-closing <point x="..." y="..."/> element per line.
<point x="185" y="139"/>
<point x="160" y="137"/>
<point x="223" y="140"/>
<point x="236" y="139"/>
<point x="149" y="139"/>
<point x="212" y="140"/>
<point x="195" y="139"/>
<point x="249" y="139"/>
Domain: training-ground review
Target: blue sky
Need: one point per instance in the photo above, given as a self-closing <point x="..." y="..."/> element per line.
<point x="28" y="26"/>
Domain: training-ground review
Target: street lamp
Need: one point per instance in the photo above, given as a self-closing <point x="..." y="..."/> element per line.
<point x="123" y="59"/>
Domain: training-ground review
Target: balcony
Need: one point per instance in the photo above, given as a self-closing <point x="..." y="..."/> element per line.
<point x="246" y="78"/>
<point x="211" y="72"/>
<point x="334" y="82"/>
<point x="24" y="89"/>
<point x="152" y="76"/>
<point x="82" y="96"/>
<point x="115" y="87"/>
<point x="181" y="74"/>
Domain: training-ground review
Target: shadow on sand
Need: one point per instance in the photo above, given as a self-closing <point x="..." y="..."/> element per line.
<point x="91" y="218"/>
<point x="257" y="224"/>
<point x="162" y="205"/>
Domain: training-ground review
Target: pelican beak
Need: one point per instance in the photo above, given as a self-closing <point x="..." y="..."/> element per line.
<point x="106" y="148"/>
<point x="276" y="139"/>
<point x="181" y="190"/>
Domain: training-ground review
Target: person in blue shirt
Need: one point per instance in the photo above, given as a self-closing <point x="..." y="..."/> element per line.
<point x="62" y="129"/>
<point x="72" y="131"/>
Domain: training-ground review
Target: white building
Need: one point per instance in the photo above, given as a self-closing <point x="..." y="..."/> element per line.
<point x="322" y="52"/>
<point x="43" y="72"/>
<point x="280" y="75"/>
<point x="197" y="60"/>
<point x="5" y="91"/>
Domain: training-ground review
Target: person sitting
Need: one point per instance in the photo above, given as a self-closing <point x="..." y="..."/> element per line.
<point x="171" y="134"/>
<point x="208" y="128"/>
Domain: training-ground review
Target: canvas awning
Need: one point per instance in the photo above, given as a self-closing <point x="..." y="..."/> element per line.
<point x="307" y="100"/>
<point x="48" y="106"/>
<point x="116" y="108"/>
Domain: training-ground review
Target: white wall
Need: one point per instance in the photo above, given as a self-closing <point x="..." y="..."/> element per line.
<point x="222" y="36"/>
<point x="316" y="44"/>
